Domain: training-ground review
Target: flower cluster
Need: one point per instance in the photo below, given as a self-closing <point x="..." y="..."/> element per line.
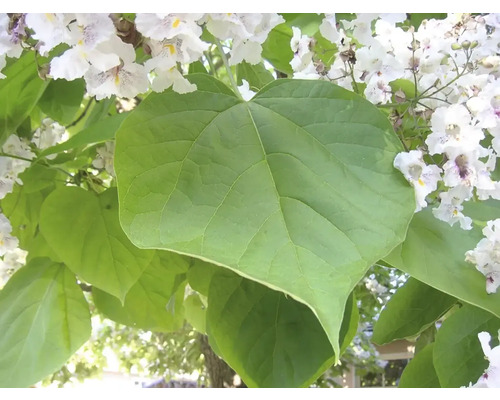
<point x="101" y="48"/>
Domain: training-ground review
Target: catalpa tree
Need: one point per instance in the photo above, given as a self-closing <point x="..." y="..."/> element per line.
<point x="244" y="172"/>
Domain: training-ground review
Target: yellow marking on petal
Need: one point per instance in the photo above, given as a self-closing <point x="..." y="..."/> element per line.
<point x="80" y="42"/>
<point x="176" y="22"/>
<point x="455" y="212"/>
<point x="421" y="182"/>
<point x="117" y="79"/>
<point x="50" y="17"/>
<point x="171" y="48"/>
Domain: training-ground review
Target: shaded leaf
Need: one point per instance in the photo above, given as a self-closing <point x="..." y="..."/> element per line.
<point x="276" y="49"/>
<point x="256" y="75"/>
<point x="420" y="372"/>
<point x="61" y="100"/>
<point x="458" y="357"/>
<point x="411" y="310"/>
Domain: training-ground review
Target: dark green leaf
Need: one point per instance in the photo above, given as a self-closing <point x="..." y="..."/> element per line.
<point x="44" y="319"/>
<point x="420" y="372"/>
<point x="197" y="67"/>
<point x="269" y="339"/>
<point x="411" y="310"/>
<point x="458" y="357"/>
<point x="295" y="189"/>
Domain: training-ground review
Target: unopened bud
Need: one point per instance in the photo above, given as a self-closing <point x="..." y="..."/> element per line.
<point x="399" y="96"/>
<point x="456" y="46"/>
<point x="43" y="71"/>
<point x="474" y="44"/>
<point x="466" y="44"/>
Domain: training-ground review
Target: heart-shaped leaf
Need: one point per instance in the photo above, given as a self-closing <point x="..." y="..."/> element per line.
<point x="295" y="189"/>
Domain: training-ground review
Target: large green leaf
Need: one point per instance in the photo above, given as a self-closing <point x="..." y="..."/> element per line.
<point x="19" y="93"/>
<point x="84" y="230"/>
<point x="458" y="357"/>
<point x="145" y="305"/>
<point x="411" y="310"/>
<point x="44" y="319"/>
<point x="61" y="100"/>
<point x="268" y="339"/>
<point x="102" y="131"/>
<point x="295" y="189"/>
<point x="434" y="253"/>
<point x="420" y="372"/>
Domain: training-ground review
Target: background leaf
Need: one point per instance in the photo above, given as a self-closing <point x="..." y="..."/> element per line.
<point x="145" y="305"/>
<point x="434" y="253"/>
<point x="276" y="49"/>
<point x="458" y="357"/>
<point x="256" y="75"/>
<point x="84" y="231"/>
<point x="420" y="372"/>
<point x="44" y="319"/>
<point x="411" y="310"/>
<point x="61" y="100"/>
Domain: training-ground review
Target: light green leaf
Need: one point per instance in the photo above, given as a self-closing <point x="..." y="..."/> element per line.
<point x="458" y="357"/>
<point x="412" y="309"/>
<point x="145" y="305"/>
<point x="307" y="22"/>
<point x="102" y="131"/>
<point x="268" y="339"/>
<point x="19" y="93"/>
<point x="84" y="230"/>
<point x="276" y="49"/>
<point x="196" y="312"/>
<point x="256" y="75"/>
<point x="61" y="100"/>
<point x="200" y="274"/>
<point x="420" y="372"/>
<point x="434" y="253"/>
<point x="44" y="319"/>
<point x="295" y="189"/>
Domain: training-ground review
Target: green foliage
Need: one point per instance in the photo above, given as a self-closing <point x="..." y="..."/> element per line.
<point x="411" y="310"/>
<point x="433" y="253"/>
<point x="19" y="93"/>
<point x="44" y="319"/>
<point x="245" y="320"/>
<point x="97" y="251"/>
<point x="62" y="99"/>
<point x="256" y="75"/>
<point x="420" y="372"/>
<point x="265" y="174"/>
<point x="145" y="305"/>
<point x="276" y="49"/>
<point x="458" y="357"/>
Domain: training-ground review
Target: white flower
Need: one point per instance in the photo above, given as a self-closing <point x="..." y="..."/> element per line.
<point x="11" y="262"/>
<point x="245" y="91"/>
<point x="422" y="177"/>
<point x="10" y="39"/>
<point x="328" y="28"/>
<point x="7" y="242"/>
<point x="105" y="156"/>
<point x="48" y="134"/>
<point x="450" y="208"/>
<point x="491" y="376"/>
<point x="486" y="255"/>
<point x="452" y="131"/>
<point x="168" y="26"/>
<point x="300" y="45"/>
<point x="171" y="77"/>
<point x="50" y="29"/>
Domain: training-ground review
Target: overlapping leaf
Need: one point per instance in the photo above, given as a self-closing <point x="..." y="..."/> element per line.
<point x="295" y="189"/>
<point x="420" y="372"/>
<point x="84" y="230"/>
<point x="44" y="319"/>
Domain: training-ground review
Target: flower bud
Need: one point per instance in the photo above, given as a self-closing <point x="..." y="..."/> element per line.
<point x="474" y="44"/>
<point x="456" y="46"/>
<point x="466" y="44"/>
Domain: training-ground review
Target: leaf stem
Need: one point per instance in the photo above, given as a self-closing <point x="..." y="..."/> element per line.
<point x="2" y="154"/>
<point x="228" y="70"/>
